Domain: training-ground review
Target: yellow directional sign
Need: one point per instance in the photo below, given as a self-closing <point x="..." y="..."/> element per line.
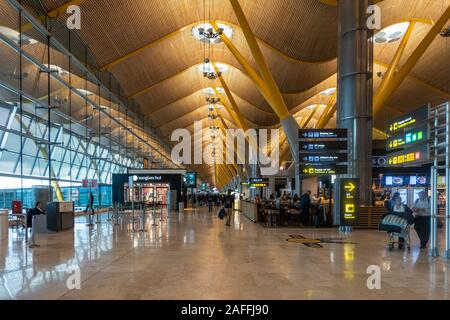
<point x="349" y="198"/>
<point x="350" y="187"/>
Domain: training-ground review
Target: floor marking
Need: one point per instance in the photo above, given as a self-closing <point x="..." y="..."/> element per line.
<point x="316" y="243"/>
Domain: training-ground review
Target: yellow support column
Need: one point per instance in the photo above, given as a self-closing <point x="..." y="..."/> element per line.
<point x="311" y="115"/>
<point x="245" y="65"/>
<point x="279" y="105"/>
<point x="321" y="123"/>
<point x="392" y="69"/>
<point x="233" y="103"/>
<point x="382" y="97"/>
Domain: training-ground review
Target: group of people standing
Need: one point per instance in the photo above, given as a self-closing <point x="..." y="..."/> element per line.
<point x="306" y="204"/>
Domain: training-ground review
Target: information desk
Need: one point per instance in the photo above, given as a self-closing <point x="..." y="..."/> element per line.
<point x="60" y="216"/>
<point x="249" y="210"/>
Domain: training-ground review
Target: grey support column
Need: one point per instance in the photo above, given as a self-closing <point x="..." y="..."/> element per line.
<point x="291" y="127"/>
<point x="355" y="89"/>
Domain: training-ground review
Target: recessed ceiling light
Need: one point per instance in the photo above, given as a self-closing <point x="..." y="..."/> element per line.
<point x="57" y="69"/>
<point x="84" y="92"/>
<point x="392" y="33"/>
<point x="14" y="36"/>
<point x="210" y="91"/>
<point x="328" y="92"/>
<point x="205" y="32"/>
<point x="208" y="67"/>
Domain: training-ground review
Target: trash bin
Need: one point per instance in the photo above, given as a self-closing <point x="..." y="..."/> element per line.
<point x="4" y="224"/>
<point x="181" y="207"/>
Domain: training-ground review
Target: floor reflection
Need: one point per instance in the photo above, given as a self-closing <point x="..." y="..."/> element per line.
<point x="194" y="256"/>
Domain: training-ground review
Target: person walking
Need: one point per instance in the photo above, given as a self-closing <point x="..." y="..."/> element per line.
<point x="228" y="204"/>
<point x="210" y="203"/>
<point x="422" y="220"/>
<point x="305" y="205"/>
<point x="90" y="204"/>
<point x="402" y="210"/>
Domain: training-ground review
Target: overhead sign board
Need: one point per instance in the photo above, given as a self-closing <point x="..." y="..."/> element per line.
<point x="322" y="133"/>
<point x="408" y="120"/>
<point x="407" y="138"/>
<point x="314" y="170"/>
<point x="306" y="147"/>
<point x="349" y="201"/>
<point x="324" y="158"/>
<point x="259" y="182"/>
<point x="415" y="155"/>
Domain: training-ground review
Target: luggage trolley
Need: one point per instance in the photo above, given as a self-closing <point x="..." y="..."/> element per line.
<point x="396" y="226"/>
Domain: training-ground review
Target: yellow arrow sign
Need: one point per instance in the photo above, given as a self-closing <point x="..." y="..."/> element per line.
<point x="350" y="187"/>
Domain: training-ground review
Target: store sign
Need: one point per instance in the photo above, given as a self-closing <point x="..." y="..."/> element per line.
<point x="324" y="158"/>
<point x="408" y="120"/>
<point x="323" y="169"/>
<point x="90" y="183"/>
<point x="410" y="156"/>
<point x="349" y="201"/>
<point x="322" y="133"/>
<point x="408" y="138"/>
<point x="379" y="161"/>
<point x="147" y="178"/>
<point x="306" y="147"/>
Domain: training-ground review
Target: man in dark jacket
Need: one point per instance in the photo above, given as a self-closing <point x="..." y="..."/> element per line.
<point x="305" y="205"/>
<point x="90" y="204"/>
<point x="228" y="204"/>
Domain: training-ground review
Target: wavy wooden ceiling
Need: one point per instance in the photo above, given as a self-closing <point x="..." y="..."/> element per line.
<point x="291" y="33"/>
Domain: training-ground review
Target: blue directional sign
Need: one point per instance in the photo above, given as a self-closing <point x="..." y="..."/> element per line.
<point x="322" y="133"/>
<point x="307" y="147"/>
<point x="323" y="158"/>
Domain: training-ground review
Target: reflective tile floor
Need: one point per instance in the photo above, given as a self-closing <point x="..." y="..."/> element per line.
<point x="194" y="256"/>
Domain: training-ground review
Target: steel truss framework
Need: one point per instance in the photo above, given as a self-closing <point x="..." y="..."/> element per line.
<point x="42" y="139"/>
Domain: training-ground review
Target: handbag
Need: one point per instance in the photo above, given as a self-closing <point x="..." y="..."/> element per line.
<point x="221" y="214"/>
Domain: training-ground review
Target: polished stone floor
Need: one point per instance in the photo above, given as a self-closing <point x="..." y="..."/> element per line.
<point x="194" y="256"/>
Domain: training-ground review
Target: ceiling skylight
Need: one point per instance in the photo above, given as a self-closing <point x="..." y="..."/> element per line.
<point x="392" y="33"/>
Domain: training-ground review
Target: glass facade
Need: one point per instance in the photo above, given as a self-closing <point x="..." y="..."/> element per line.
<point x="62" y="120"/>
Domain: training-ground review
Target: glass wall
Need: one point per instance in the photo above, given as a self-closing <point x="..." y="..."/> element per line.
<point x="62" y="120"/>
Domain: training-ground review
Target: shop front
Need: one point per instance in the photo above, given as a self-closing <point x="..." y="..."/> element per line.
<point x="164" y="188"/>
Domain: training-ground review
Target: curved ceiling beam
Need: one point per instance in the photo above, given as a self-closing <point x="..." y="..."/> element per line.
<point x="189" y="26"/>
<point x="188" y="69"/>
<point x="190" y="95"/>
<point x="267" y="45"/>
